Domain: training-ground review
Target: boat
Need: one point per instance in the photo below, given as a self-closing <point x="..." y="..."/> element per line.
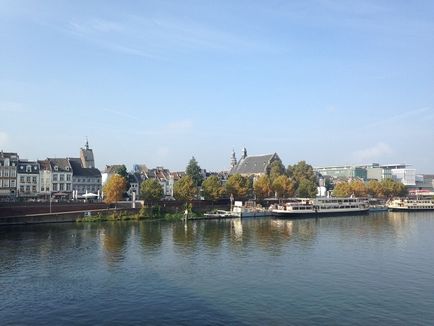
<point x="410" y="205"/>
<point x="219" y="213"/>
<point x="306" y="207"/>
<point x="376" y="205"/>
<point x="250" y="209"/>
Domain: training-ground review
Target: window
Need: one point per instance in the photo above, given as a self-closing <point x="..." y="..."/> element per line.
<point x="55" y="177"/>
<point x="28" y="179"/>
<point x="21" y="188"/>
<point x="27" y="188"/>
<point x="62" y="177"/>
<point x="62" y="186"/>
<point x="34" y="180"/>
<point x="33" y="188"/>
<point x="68" y="186"/>
<point x="13" y="183"/>
<point x="13" y="174"/>
<point x="68" y="177"/>
<point x="22" y="179"/>
<point x="6" y="173"/>
<point x="6" y="183"/>
<point x="54" y="186"/>
<point x="28" y="168"/>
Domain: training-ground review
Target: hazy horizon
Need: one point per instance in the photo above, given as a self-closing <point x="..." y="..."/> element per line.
<point x="156" y="82"/>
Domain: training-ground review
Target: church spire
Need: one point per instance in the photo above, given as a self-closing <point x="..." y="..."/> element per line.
<point x="244" y="153"/>
<point x="87" y="144"/>
<point x="233" y="159"/>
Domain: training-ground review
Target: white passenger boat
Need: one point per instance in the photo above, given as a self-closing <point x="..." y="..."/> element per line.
<point x="302" y="207"/>
<point x="412" y="205"/>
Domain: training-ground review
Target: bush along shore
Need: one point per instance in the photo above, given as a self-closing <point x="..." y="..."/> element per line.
<point x="145" y="213"/>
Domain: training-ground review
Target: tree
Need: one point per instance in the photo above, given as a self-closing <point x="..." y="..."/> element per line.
<point x="283" y="187"/>
<point x="114" y="188"/>
<point x="262" y="186"/>
<point x="194" y="171"/>
<point x="212" y="188"/>
<point x="238" y="185"/>
<point x="304" y="179"/>
<point x="342" y="189"/>
<point x="276" y="170"/>
<point x="151" y="190"/>
<point x="306" y="189"/>
<point x="393" y="188"/>
<point x="184" y="189"/>
<point x="358" y="188"/>
<point x="122" y="171"/>
<point x="375" y="189"/>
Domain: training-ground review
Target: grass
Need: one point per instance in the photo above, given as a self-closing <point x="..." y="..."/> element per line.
<point x="146" y="213"/>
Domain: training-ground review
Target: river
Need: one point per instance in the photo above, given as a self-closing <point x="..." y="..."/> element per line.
<point x="355" y="270"/>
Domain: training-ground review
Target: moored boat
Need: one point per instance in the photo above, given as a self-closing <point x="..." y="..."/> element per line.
<point x="412" y="205"/>
<point x="322" y="206"/>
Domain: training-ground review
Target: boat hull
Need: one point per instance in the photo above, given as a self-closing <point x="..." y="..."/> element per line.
<point x="313" y="214"/>
<point x="409" y="209"/>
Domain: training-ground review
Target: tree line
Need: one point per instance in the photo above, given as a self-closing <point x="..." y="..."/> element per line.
<point x="298" y="180"/>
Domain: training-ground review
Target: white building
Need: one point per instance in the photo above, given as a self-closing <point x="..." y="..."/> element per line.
<point x="406" y="176"/>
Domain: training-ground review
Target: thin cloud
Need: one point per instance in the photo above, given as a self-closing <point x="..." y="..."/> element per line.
<point x="376" y="151"/>
<point x="179" y="126"/>
<point x="398" y="117"/>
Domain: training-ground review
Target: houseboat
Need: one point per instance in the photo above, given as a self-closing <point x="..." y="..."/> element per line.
<point x="302" y="207"/>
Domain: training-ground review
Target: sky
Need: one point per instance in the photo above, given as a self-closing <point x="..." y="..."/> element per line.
<point x="331" y="82"/>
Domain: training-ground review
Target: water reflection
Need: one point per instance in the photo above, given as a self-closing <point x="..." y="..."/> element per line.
<point x="113" y="237"/>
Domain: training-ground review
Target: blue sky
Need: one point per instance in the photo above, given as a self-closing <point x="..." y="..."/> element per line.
<point x="155" y="82"/>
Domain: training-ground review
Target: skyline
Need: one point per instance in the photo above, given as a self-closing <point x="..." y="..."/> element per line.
<point x="158" y="82"/>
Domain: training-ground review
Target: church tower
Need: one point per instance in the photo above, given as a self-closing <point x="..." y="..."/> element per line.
<point x="244" y="153"/>
<point x="86" y="156"/>
<point x="233" y="159"/>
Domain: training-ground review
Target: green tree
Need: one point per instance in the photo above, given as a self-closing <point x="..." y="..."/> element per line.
<point x="151" y="190"/>
<point x="212" y="188"/>
<point x="239" y="186"/>
<point x="306" y="189"/>
<point x="276" y="170"/>
<point x="303" y="178"/>
<point x="114" y="188"/>
<point x="392" y="188"/>
<point x="262" y="187"/>
<point x="184" y="189"/>
<point x="194" y="171"/>
<point x="283" y="187"/>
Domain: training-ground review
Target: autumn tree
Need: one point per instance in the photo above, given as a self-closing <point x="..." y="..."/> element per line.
<point x="375" y="189"/>
<point x="151" y="190"/>
<point x="194" y="171"/>
<point x="342" y="189"/>
<point x="306" y="189"/>
<point x="114" y="188"/>
<point x="358" y="188"/>
<point x="239" y="186"/>
<point x="262" y="187"/>
<point x="185" y="189"/>
<point x="212" y="188"/>
<point x="283" y="187"/>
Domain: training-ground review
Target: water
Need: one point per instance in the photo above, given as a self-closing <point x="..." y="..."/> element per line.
<point x="376" y="269"/>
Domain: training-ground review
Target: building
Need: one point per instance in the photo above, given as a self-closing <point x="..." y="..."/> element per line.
<point x="86" y="157"/>
<point x="28" y="179"/>
<point x="85" y="179"/>
<point x="374" y="171"/>
<point x="252" y="166"/>
<point x="45" y="178"/>
<point x="61" y="172"/>
<point x="8" y="175"/>
<point x="109" y="171"/>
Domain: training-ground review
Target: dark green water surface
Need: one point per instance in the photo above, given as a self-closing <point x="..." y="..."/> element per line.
<point x="362" y="270"/>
